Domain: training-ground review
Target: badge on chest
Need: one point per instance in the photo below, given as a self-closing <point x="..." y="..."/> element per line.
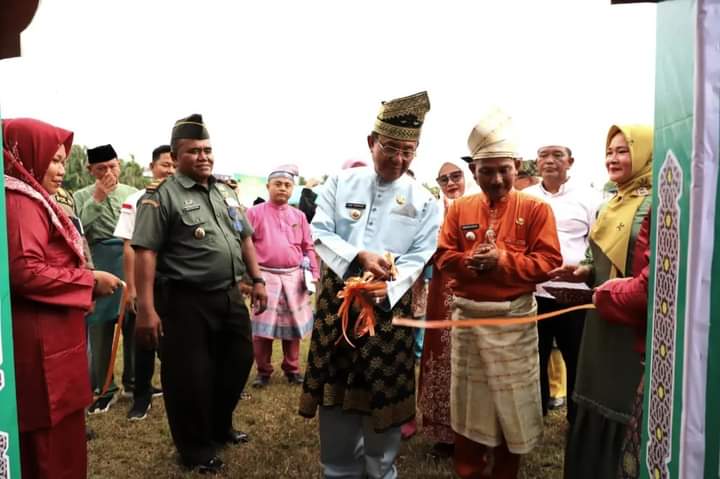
<point x="469" y="231"/>
<point x="355" y="210"/>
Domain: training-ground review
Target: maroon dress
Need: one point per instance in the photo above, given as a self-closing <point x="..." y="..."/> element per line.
<point x="434" y="383"/>
<point x="50" y="293"/>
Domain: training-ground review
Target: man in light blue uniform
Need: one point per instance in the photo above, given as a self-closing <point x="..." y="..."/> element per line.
<point x="366" y="391"/>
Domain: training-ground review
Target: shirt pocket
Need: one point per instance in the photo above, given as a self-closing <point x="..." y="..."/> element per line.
<point x="296" y="234"/>
<point x="345" y="224"/>
<point x="194" y="225"/>
<point x="67" y="382"/>
<point x="400" y="232"/>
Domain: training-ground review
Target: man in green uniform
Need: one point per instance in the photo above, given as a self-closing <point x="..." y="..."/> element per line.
<point x="193" y="244"/>
<point x="98" y="207"/>
<point x="67" y="203"/>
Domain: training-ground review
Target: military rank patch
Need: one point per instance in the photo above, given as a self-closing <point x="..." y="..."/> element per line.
<point x="154" y="185"/>
<point x="150" y="202"/>
<point x="64" y="198"/>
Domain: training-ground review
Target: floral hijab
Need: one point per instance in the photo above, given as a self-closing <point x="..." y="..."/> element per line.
<point x="28" y="148"/>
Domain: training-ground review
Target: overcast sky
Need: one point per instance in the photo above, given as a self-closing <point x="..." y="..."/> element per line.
<point x="289" y="81"/>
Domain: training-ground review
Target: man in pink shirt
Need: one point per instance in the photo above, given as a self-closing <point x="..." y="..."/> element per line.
<point x="285" y="252"/>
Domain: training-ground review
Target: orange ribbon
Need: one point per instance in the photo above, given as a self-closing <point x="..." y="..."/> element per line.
<point x="354" y="291"/>
<point x="501" y="321"/>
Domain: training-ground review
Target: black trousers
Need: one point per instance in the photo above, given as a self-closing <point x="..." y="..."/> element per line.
<point x="144" y="367"/>
<point x="206" y="354"/>
<point x="567" y="331"/>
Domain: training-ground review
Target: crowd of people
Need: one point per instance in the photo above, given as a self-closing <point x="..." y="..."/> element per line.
<point x="207" y="285"/>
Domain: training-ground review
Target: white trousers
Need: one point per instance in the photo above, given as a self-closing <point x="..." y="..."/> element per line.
<point x="350" y="448"/>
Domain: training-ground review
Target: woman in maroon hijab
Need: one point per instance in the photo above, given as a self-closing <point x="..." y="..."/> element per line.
<point x="51" y="289"/>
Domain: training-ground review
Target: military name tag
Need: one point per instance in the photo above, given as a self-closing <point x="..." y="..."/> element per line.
<point x="469" y="227"/>
<point x="191" y="208"/>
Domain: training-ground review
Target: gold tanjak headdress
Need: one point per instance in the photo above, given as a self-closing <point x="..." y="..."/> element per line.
<point x="493" y="137"/>
<point x="402" y="118"/>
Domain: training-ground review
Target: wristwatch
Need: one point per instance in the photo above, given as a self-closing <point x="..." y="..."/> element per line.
<point x="258" y="281"/>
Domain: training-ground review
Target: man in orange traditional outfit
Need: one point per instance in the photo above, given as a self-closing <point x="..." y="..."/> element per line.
<point x="496" y="246"/>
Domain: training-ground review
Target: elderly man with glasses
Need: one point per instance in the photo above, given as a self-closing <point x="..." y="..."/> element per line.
<point x="365" y="390"/>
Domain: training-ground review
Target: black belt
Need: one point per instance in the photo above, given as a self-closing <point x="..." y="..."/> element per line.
<point x="179" y="284"/>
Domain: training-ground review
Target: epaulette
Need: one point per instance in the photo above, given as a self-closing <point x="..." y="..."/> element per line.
<point x="64" y="198"/>
<point x="153" y="187"/>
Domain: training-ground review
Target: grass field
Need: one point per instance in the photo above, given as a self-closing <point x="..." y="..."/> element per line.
<point x="282" y="444"/>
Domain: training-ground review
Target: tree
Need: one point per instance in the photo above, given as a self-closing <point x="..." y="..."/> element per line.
<point x="131" y="173"/>
<point x="77" y="176"/>
<point x="529" y="167"/>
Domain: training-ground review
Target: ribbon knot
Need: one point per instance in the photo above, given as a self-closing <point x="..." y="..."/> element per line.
<point x="354" y="292"/>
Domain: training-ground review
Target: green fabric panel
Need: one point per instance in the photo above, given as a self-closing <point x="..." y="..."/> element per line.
<point x="673" y="131"/>
<point x="8" y="407"/>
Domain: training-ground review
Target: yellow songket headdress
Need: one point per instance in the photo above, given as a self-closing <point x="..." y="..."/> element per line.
<point x="402" y="118"/>
<point x="613" y="227"/>
<point x="493" y="137"/>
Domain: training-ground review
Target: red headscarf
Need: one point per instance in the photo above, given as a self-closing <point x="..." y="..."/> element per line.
<point x="28" y="147"/>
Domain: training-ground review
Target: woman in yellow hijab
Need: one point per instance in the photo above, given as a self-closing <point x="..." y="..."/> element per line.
<point x="609" y="368"/>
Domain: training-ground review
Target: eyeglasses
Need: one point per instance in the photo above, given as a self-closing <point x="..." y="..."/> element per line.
<point x="455" y="176"/>
<point x="392" y="151"/>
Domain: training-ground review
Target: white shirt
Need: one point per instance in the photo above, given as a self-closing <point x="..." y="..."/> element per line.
<point x="357" y="212"/>
<point x="126" y="223"/>
<point x="575" y="207"/>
